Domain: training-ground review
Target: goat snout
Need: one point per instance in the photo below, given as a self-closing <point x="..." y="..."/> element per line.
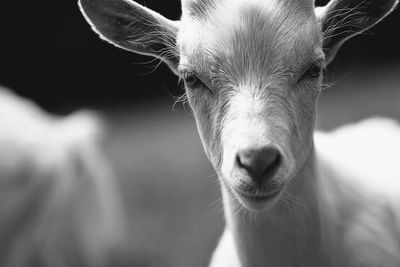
<point x="260" y="164"/>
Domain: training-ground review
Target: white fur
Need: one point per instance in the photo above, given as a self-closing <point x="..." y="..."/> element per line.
<point x="225" y="18"/>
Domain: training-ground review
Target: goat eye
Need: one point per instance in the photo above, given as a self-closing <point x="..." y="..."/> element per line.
<point x="314" y="71"/>
<point x="191" y="80"/>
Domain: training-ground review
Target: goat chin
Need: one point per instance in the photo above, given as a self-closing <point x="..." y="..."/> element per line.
<point x="59" y="204"/>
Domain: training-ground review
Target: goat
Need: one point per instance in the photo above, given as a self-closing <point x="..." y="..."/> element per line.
<point x="252" y="71"/>
<point x="59" y="204"/>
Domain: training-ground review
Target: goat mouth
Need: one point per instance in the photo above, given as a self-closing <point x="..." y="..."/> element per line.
<point x="259" y="196"/>
<point x="258" y="201"/>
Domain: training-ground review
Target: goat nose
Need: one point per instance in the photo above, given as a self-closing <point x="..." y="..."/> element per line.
<point x="260" y="163"/>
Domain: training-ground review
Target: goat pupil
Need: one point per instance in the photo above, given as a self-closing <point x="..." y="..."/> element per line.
<point x="314" y="71"/>
<point x="191" y="80"/>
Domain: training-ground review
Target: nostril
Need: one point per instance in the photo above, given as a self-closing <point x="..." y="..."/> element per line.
<point x="261" y="163"/>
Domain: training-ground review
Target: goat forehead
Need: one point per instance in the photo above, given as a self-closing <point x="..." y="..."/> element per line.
<point x="204" y="8"/>
<point x="249" y="37"/>
<point x="198" y="8"/>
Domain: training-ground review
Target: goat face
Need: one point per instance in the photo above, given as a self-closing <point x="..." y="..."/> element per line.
<point x="252" y="74"/>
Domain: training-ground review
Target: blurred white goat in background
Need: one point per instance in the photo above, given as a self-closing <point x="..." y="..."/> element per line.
<point x="59" y="205"/>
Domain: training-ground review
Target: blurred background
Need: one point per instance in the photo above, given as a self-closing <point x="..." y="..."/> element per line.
<point x="48" y="53"/>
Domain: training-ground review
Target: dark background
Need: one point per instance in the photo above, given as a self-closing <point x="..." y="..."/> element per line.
<point x="49" y="53"/>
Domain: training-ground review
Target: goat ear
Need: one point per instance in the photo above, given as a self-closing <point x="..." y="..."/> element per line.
<point x="133" y="27"/>
<point x="342" y="19"/>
